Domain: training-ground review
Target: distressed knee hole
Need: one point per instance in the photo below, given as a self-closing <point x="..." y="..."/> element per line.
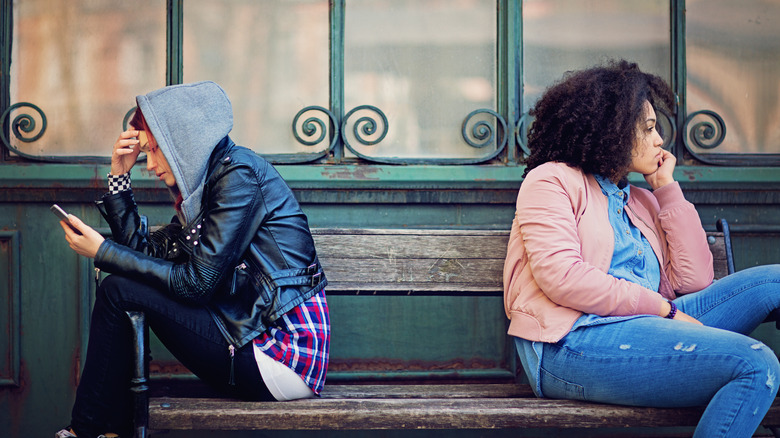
<point x="682" y="347"/>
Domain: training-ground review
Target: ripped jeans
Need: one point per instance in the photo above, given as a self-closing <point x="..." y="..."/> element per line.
<point x="658" y="362"/>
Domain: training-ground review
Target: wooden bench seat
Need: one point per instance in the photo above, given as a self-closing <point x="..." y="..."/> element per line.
<point x="407" y="262"/>
<point x="429" y="406"/>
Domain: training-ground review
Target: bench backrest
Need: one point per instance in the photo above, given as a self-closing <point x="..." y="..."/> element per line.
<point x="422" y="305"/>
<point x="428" y="262"/>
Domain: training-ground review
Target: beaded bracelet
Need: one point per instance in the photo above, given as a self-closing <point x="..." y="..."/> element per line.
<point x="673" y="310"/>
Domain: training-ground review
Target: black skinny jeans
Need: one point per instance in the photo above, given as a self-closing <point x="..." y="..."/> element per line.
<point x="103" y="400"/>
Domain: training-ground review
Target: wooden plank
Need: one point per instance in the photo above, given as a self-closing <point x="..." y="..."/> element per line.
<point x="403" y="246"/>
<point x="406" y="232"/>
<point x="427" y="261"/>
<point x="488" y="390"/>
<point x="195" y="388"/>
<point x="403" y="274"/>
<point x="718" y="250"/>
<point x="438" y="413"/>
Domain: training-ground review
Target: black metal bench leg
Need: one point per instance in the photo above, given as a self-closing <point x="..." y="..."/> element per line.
<point x="139" y="384"/>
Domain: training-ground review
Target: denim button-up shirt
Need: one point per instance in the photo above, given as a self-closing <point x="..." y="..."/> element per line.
<point x="633" y="258"/>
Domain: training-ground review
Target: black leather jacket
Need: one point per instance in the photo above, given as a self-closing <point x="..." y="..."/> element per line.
<point x="248" y="257"/>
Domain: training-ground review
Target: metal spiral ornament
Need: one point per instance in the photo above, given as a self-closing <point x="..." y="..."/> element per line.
<point x="128" y="116"/>
<point x="521" y="134"/>
<point x="366" y="126"/>
<point x="483" y="131"/>
<point x="706" y="134"/>
<point x="667" y="128"/>
<point x="314" y="129"/>
<point x="23" y="125"/>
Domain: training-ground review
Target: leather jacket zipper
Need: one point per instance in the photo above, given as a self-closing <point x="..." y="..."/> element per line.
<point x="97" y="278"/>
<point x="240" y="267"/>
<point x="232" y="351"/>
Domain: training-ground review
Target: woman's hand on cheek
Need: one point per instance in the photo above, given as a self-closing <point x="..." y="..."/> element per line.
<point x="125" y="152"/>
<point x="665" y="173"/>
<point x="87" y="243"/>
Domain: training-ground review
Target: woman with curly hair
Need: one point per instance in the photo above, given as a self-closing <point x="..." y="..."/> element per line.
<point x="609" y="287"/>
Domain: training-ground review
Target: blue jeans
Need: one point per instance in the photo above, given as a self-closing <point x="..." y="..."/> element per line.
<point x="658" y="362"/>
<point x="103" y="399"/>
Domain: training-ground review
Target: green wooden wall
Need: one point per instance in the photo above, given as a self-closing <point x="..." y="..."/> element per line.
<point x="46" y="290"/>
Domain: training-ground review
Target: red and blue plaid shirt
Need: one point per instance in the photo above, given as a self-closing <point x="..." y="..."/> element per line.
<point x="300" y="339"/>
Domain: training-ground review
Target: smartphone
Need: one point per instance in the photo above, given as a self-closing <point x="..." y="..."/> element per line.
<point x="60" y="213"/>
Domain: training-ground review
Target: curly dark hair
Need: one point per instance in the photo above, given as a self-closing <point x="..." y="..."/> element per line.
<point x="589" y="118"/>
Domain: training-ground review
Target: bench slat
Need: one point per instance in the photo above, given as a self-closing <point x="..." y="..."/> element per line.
<point x="371" y="414"/>
<point x="488" y="390"/>
<point x="414" y="275"/>
<point x="420" y="262"/>
<point x="412" y="246"/>
<point x="718" y="250"/>
<point x="374" y="407"/>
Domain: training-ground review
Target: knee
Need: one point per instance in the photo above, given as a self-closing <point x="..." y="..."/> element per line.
<point x="763" y="365"/>
<point x="766" y="272"/>
<point x="111" y="291"/>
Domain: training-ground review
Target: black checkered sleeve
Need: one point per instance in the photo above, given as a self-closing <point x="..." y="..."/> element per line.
<point x="118" y="183"/>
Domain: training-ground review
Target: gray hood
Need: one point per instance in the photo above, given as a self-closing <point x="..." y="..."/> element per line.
<point x="188" y="121"/>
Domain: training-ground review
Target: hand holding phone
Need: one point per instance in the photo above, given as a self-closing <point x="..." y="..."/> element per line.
<point x="60" y="213"/>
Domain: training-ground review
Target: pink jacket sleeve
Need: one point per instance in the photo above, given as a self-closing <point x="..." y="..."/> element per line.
<point x="688" y="263"/>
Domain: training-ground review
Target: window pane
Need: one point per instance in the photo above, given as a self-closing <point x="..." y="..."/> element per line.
<point x="272" y="59"/>
<point x="563" y="35"/>
<point x="733" y="50"/>
<point x="426" y="65"/>
<point x="82" y="63"/>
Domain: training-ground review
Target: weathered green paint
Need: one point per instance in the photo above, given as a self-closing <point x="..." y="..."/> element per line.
<point x="678" y="73"/>
<point x="6" y="31"/>
<point x="336" y="77"/>
<point x="56" y="286"/>
<point x="174" y="71"/>
<point x="509" y="63"/>
<point x="10" y="299"/>
<point x="36" y="175"/>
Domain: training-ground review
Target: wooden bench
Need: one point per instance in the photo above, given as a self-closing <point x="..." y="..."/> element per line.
<point x="405" y="262"/>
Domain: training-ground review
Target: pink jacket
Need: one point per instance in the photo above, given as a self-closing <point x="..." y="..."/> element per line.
<point x="560" y="250"/>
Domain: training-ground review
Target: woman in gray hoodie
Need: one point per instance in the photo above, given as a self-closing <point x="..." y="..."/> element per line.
<point x="232" y="286"/>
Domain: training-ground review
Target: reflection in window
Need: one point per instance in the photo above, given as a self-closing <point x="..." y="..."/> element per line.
<point x="425" y="66"/>
<point x="272" y="59"/>
<point x="82" y="63"/>
<point x="564" y="35"/>
<point x="732" y="52"/>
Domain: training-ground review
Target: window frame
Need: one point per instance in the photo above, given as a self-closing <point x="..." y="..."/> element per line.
<point x="509" y="127"/>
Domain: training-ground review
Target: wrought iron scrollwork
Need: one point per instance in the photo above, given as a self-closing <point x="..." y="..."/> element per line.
<point x="667" y="127"/>
<point x="365" y="127"/>
<point x="483" y="131"/>
<point x="128" y="116"/>
<point x="521" y="133"/>
<point x="314" y="129"/>
<point x="705" y="134"/>
<point x="23" y="125"/>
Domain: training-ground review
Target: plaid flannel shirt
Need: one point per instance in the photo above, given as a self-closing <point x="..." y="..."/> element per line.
<point x="300" y="339"/>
